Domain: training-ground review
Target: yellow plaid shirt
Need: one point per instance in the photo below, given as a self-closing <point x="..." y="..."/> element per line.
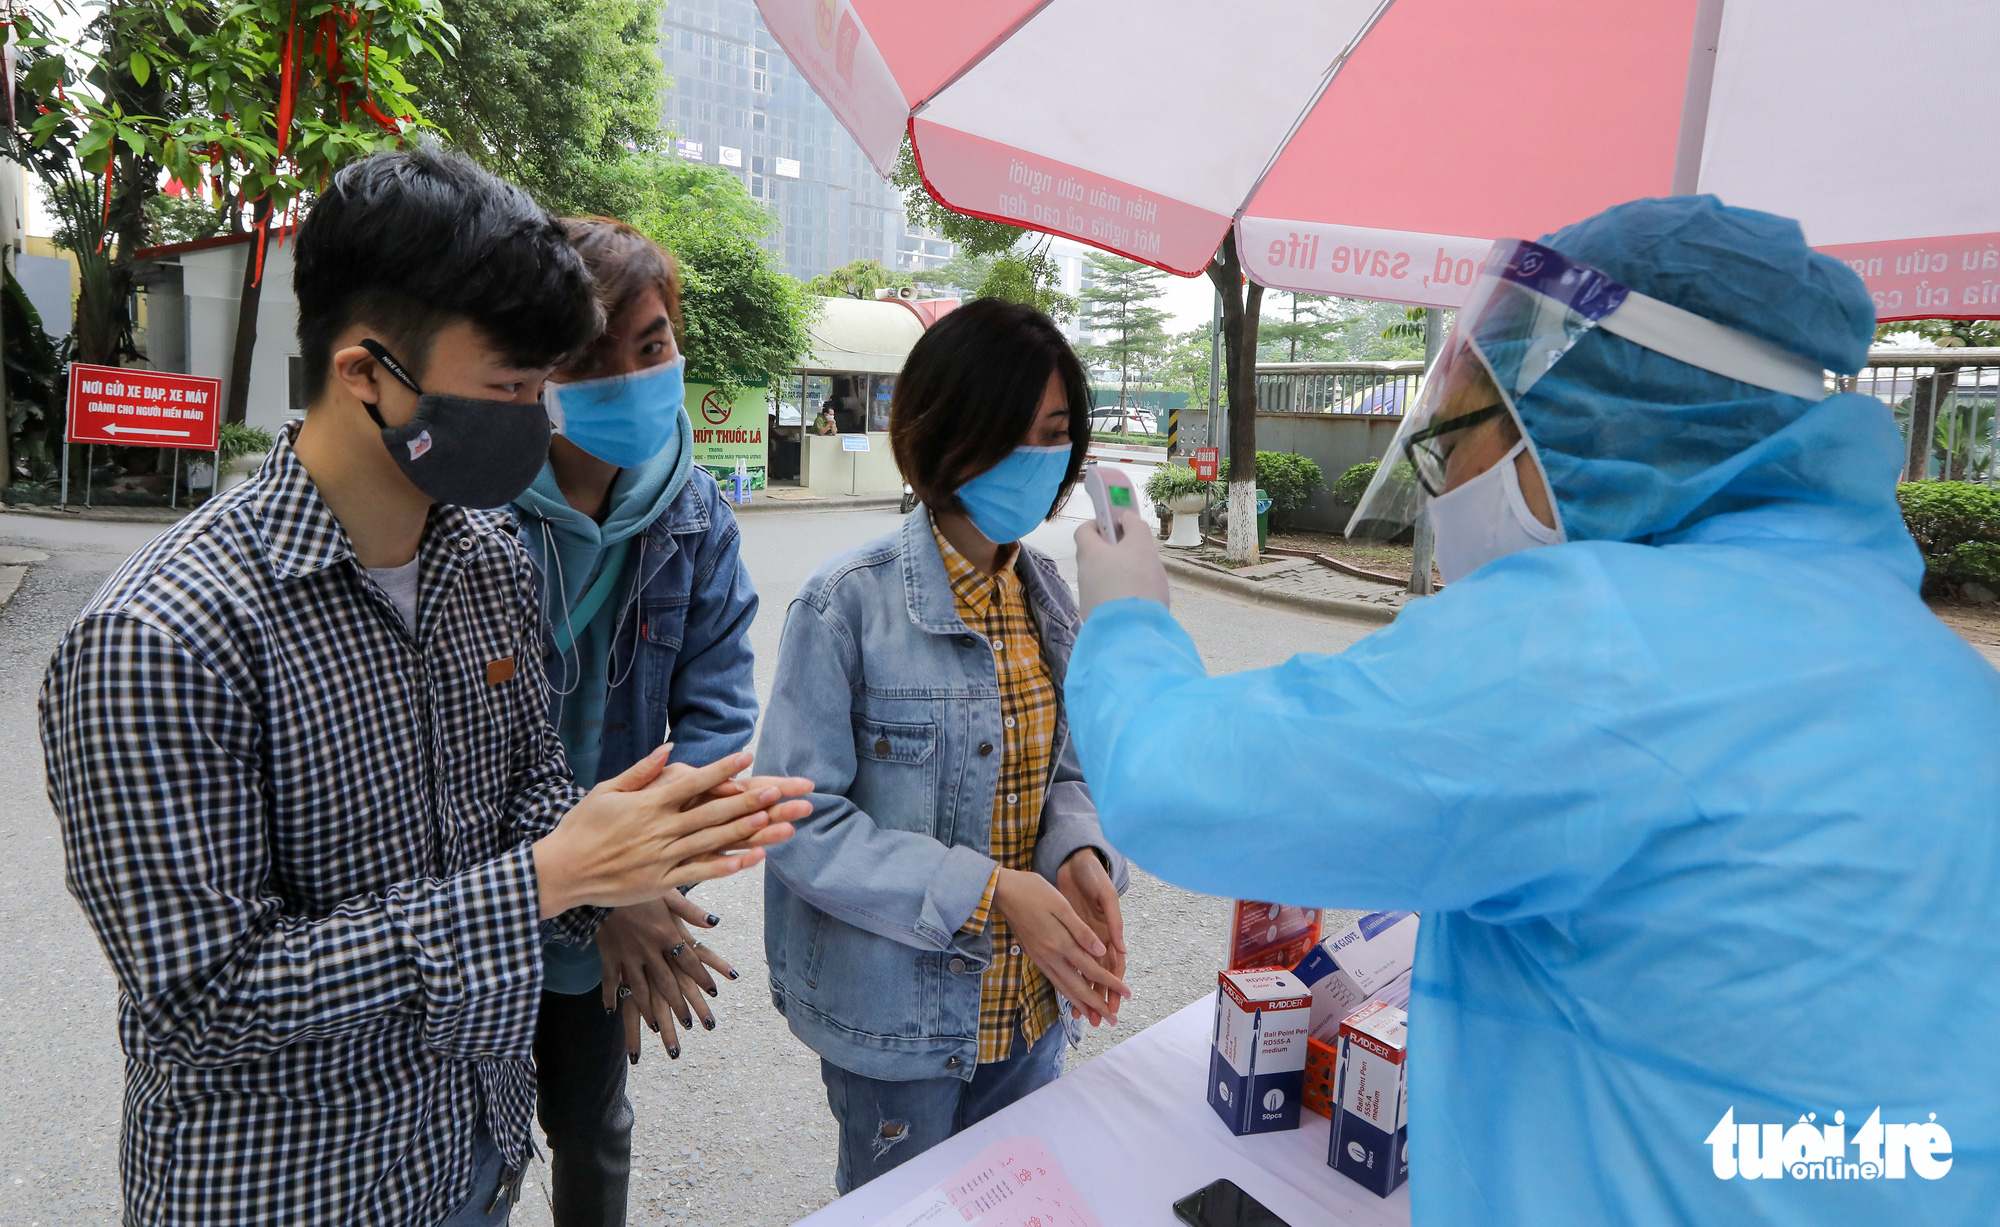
<point x="1013" y="994"/>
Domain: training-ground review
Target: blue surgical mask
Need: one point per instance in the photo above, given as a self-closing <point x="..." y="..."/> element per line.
<point x="624" y="420"/>
<point x="1009" y="499"/>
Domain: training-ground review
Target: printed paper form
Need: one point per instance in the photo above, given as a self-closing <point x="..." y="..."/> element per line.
<point x="1013" y="1183"/>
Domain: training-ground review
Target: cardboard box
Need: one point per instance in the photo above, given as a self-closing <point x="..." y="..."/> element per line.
<point x="1256" y="1064"/>
<point x="1371" y="1121"/>
<point x="1350" y="967"/>
<point x="1270" y="934"/>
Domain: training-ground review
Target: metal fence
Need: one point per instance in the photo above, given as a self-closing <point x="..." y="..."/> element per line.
<point x="1944" y="402"/>
<point x="1355" y="389"/>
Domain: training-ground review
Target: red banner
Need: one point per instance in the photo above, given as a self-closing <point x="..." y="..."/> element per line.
<point x="132" y="408"/>
<point x="1206" y="461"/>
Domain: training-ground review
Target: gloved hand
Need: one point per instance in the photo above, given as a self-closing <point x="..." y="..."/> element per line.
<point x="1130" y="566"/>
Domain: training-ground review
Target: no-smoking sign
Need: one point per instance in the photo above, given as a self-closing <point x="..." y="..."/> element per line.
<point x="715" y="408"/>
<point x="109" y="404"/>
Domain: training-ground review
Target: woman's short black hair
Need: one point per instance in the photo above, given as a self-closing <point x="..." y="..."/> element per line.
<point x="969" y="392"/>
<point x="413" y="240"/>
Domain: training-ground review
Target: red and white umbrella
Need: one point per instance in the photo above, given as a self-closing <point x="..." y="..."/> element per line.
<point x="1373" y="148"/>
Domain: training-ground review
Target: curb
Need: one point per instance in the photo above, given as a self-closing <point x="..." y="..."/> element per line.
<point x="109" y="515"/>
<point x="1332" y="607"/>
<point x="833" y="502"/>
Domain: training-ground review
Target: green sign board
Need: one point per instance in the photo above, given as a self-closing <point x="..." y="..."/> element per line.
<point x="727" y="433"/>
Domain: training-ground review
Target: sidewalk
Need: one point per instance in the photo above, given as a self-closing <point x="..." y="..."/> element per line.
<point x="800" y="500"/>
<point x="113" y="515"/>
<point x="1293" y="583"/>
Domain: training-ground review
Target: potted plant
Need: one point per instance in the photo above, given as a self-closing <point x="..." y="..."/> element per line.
<point x="1185" y="494"/>
<point x="242" y="449"/>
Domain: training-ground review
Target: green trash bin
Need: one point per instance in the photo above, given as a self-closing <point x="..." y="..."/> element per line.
<point x="1263" y="519"/>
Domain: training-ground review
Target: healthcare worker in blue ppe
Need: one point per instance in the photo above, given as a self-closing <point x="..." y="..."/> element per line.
<point x="1697" y="796"/>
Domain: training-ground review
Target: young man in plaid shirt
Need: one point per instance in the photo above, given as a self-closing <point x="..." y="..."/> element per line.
<point x="310" y="799"/>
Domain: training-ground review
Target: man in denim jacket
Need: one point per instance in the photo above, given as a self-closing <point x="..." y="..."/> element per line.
<point x="648" y="608"/>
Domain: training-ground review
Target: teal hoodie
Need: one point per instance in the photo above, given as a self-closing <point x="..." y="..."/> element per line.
<point x="573" y="552"/>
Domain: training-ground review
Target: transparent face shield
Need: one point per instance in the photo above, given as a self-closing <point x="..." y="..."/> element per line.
<point x="1529" y="307"/>
<point x="1527" y="310"/>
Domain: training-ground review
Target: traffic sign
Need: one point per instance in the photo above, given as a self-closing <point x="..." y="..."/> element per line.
<point x="1206" y="461"/>
<point x="136" y="408"/>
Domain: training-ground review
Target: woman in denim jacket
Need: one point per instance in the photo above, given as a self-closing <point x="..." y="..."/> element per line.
<point x="649" y="608"/>
<point x="951" y="899"/>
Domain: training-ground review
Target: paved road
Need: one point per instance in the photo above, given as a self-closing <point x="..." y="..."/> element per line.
<point x="735" y="1133"/>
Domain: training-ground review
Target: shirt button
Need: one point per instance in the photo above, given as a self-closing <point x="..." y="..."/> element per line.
<point x="966" y="641"/>
<point x="958" y="967"/>
<point x="1010" y="722"/>
<point x="999" y="645"/>
<point x="1012" y="797"/>
<point x="881" y="747"/>
<point x="1013" y="950"/>
<point x="464" y="543"/>
<point x="952" y="1062"/>
<point x="985" y="748"/>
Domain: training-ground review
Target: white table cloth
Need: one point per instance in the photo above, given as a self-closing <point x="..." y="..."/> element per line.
<point x="1135" y="1133"/>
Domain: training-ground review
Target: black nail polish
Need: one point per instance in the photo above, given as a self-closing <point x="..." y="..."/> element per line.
<point x="632" y="1057"/>
<point x="675" y="1053"/>
<point x="713" y="920"/>
<point x="708" y="1024"/>
<point x="734" y="976"/>
<point x="655" y="1026"/>
<point x="610" y="1010"/>
<point x="687" y="1023"/>
<point x="711" y="992"/>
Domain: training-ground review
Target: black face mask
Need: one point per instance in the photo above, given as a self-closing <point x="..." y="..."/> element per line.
<point x="464" y="451"/>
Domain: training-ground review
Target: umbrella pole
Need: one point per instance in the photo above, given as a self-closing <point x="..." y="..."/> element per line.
<point x="1421" y="546"/>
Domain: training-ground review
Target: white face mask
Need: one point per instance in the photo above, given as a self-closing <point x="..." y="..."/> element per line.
<point x="1484" y="519"/>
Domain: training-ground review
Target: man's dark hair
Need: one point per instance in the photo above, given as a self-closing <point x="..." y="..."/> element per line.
<point x="969" y="392"/>
<point x="409" y="242"/>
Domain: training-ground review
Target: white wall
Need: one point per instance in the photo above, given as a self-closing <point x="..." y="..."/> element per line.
<point x="212" y="279"/>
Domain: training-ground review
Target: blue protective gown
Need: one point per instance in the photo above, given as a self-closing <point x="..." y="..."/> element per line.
<point x="1701" y="821"/>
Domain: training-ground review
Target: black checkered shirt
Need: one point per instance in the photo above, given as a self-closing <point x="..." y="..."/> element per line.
<point x="302" y="836"/>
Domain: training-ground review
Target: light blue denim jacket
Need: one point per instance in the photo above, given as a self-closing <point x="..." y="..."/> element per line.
<point x="884" y="698"/>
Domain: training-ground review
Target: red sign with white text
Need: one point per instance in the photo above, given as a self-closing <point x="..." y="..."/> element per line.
<point x="132" y="408"/>
<point x="1206" y="461"/>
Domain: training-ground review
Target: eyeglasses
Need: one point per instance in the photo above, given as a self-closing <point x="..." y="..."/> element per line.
<point x="1427" y="455"/>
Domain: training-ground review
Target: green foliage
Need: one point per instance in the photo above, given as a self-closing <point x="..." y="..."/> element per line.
<point x="858" y="280"/>
<point x="1186" y="364"/>
<point x="1173" y="480"/>
<point x="35" y="386"/>
<point x="1290" y="480"/>
<point x="1940" y="332"/>
<point x="1957" y="526"/>
<point x="1309" y="329"/>
<point x="741" y="314"/>
<point x="1025" y="273"/>
<point x="974" y="236"/>
<point x="1117" y="306"/>
<point x="1352" y="484"/>
<point x="238" y="439"/>
<point x="553" y="94"/>
<point x="183" y="219"/>
<point x="1975" y="562"/>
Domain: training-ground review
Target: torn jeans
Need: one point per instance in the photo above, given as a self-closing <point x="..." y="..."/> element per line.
<point x="884" y="1123"/>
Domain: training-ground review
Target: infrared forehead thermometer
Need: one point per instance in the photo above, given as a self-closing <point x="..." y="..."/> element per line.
<point x="1104" y="496"/>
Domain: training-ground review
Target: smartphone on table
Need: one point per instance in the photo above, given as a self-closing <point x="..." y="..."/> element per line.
<point x="1223" y="1204"/>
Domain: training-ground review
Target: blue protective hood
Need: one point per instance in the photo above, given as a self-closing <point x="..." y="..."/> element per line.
<point x="1641" y="447"/>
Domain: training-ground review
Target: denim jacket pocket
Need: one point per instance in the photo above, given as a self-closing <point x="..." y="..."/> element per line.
<point x="895" y="773"/>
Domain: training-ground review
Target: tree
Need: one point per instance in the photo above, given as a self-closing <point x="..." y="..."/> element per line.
<point x="859" y="279"/>
<point x="741" y="315"/>
<point x="1926" y="415"/>
<point x="232" y="100"/>
<point x="556" y="95"/>
<point x="1242" y="302"/>
<point x="1116" y="304"/>
<point x="1310" y="332"/>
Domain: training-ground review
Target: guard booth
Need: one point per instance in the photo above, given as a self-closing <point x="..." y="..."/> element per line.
<point x="829" y="420"/>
